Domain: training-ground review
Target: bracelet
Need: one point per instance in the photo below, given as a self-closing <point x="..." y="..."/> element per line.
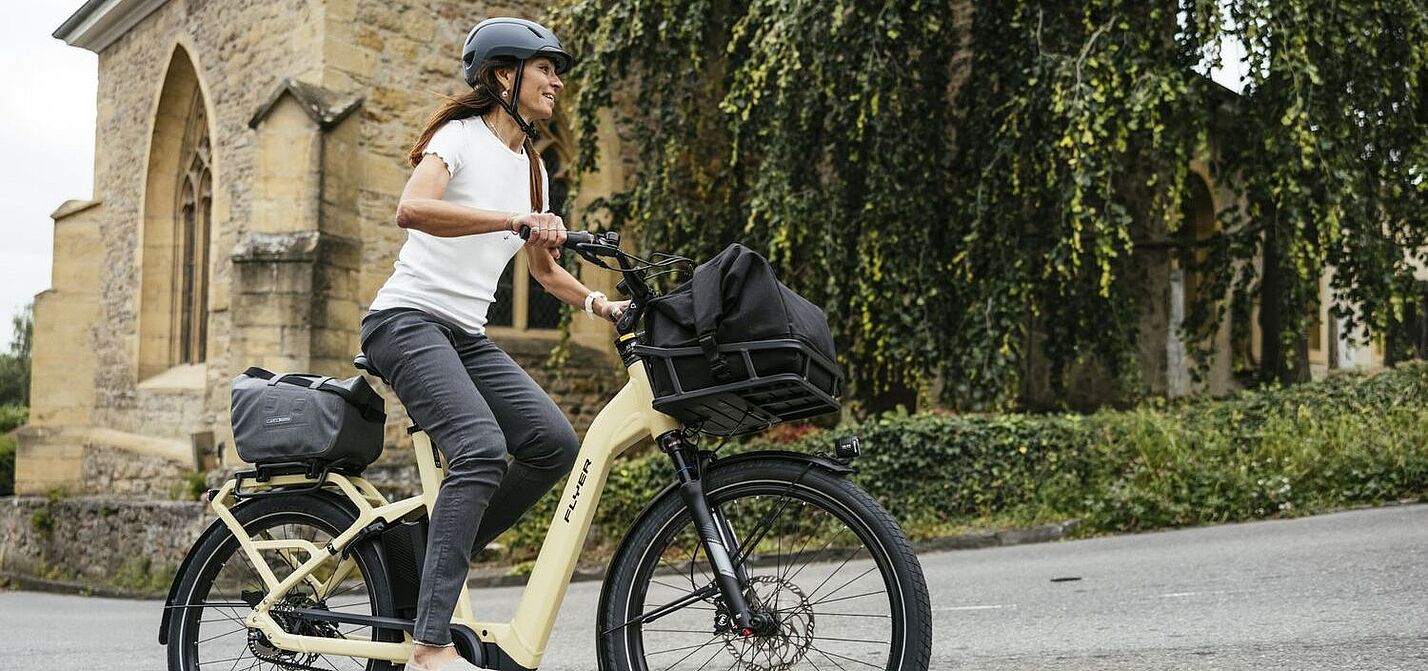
<point x="590" y="303"/>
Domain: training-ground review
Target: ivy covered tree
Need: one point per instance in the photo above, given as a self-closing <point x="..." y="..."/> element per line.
<point x="966" y="184"/>
<point x="1329" y="154"/>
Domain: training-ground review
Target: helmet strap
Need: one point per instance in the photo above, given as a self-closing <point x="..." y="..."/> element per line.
<point x="512" y="106"/>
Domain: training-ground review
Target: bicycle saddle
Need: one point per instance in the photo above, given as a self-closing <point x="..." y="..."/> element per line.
<point x="363" y="363"/>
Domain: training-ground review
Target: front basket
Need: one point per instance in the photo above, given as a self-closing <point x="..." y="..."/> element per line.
<point x="773" y="381"/>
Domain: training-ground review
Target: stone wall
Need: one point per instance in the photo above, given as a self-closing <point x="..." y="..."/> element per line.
<point x="111" y="471"/>
<point x="100" y="544"/>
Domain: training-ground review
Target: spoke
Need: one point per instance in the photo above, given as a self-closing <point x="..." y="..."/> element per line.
<point x="846" y="640"/>
<point x="361" y="606"/>
<point x="825" y="656"/>
<point x="227" y="633"/>
<point x="848" y="598"/>
<point x="696" y="648"/>
<point x="362" y="584"/>
<point x="661" y="583"/>
<point x="840" y="587"/>
<point x="825" y="653"/>
<point x="760" y="529"/>
<point x="694" y="564"/>
<point x="835" y="572"/>
<point x="794" y="557"/>
<point x="881" y="617"/>
<point x="819" y="553"/>
<point x="711" y="658"/>
<point x="677" y="631"/>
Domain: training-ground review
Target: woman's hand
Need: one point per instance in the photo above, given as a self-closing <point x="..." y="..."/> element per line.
<point x="611" y="310"/>
<point x="547" y="230"/>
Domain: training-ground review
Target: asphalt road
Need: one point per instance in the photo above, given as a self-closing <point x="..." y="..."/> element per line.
<point x="1342" y="591"/>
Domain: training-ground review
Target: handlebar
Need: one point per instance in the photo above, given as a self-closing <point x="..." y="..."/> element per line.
<point x="593" y="246"/>
<point x="573" y="239"/>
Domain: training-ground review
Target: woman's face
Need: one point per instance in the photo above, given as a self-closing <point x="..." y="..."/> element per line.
<point x="540" y="87"/>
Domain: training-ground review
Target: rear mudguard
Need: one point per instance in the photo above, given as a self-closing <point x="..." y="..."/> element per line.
<point x="826" y="464"/>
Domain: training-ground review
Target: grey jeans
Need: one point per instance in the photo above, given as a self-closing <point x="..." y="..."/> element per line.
<point x="478" y="406"/>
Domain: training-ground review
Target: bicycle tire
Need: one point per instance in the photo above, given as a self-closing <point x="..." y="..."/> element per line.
<point x="212" y="556"/>
<point x="632" y="573"/>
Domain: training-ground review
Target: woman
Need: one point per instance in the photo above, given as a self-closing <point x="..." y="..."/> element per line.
<point x="476" y="183"/>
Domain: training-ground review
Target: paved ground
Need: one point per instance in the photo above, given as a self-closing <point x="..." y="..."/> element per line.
<point x="1342" y="591"/>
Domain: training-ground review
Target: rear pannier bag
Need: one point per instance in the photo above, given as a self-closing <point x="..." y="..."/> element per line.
<point x="734" y="350"/>
<point x="306" y="418"/>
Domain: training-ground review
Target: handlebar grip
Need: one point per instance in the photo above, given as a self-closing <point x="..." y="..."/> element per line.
<point x="572" y="238"/>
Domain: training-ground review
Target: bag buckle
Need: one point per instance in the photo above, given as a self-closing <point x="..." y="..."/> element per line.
<point x="718" y="365"/>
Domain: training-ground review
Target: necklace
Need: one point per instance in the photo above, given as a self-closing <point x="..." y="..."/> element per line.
<point x="493" y="129"/>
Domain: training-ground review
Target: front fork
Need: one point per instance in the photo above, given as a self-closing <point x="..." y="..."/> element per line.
<point x="715" y="534"/>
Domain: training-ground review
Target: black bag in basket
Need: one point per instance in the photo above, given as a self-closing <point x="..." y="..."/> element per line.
<point x="735" y="298"/>
<point x="306" y="418"/>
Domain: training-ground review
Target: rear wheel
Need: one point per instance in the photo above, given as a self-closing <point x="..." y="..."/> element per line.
<point x="221" y="584"/>
<point x="829" y="566"/>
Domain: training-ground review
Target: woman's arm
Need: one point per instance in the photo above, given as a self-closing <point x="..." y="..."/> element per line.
<point x="422" y="208"/>
<point x="561" y="284"/>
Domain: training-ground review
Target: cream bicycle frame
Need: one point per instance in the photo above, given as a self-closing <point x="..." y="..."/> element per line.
<point x="628" y="418"/>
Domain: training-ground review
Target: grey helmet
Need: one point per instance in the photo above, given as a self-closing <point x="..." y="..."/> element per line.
<point x="515" y="38"/>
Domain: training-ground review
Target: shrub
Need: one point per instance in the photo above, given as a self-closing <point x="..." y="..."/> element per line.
<point x="12" y="416"/>
<point x="1345" y="441"/>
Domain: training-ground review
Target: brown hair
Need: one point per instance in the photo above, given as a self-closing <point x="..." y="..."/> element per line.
<point x="478" y="101"/>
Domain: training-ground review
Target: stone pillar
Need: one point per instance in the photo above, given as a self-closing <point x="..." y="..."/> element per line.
<point x="294" y="303"/>
<point x="63" y="359"/>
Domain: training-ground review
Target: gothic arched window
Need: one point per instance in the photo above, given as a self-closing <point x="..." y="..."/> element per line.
<point x="192" y="229"/>
<point x="176" y="229"/>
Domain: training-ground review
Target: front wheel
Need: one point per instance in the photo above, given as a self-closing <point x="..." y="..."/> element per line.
<point x="830" y="567"/>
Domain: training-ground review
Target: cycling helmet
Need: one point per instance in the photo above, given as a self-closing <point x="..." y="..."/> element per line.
<point x="515" y="38"/>
<point x="518" y="38"/>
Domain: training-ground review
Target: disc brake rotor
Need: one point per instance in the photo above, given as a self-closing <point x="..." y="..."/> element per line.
<point x="789" y="644"/>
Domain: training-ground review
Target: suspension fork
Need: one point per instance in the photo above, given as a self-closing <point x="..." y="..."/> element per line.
<point x="715" y="533"/>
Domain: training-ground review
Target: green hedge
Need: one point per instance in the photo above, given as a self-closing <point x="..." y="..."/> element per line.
<point x="1349" y="440"/>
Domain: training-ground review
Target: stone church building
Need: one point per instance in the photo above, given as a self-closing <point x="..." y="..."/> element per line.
<point x="249" y="155"/>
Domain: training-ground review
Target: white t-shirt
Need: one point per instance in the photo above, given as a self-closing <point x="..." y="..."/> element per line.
<point x="455" y="278"/>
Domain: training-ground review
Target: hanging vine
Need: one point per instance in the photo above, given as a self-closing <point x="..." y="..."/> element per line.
<point x="971" y="188"/>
